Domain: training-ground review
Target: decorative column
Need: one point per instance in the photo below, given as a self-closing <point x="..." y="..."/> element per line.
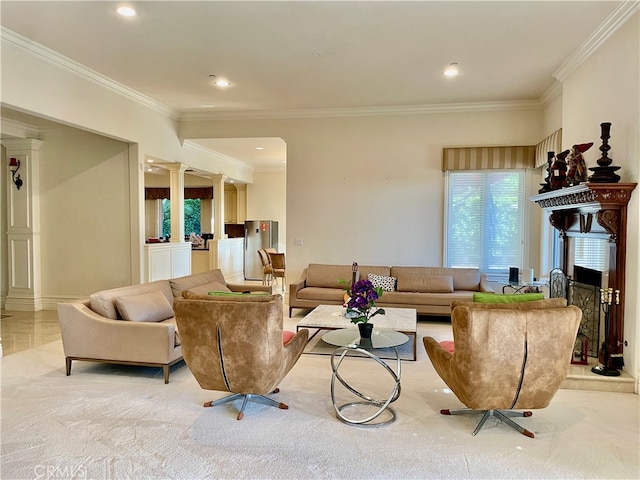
<point x="176" y="192"/>
<point x="218" y="206"/>
<point x="23" y="225"/>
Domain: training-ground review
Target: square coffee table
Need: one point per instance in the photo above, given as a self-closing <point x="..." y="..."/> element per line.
<point x="331" y="317"/>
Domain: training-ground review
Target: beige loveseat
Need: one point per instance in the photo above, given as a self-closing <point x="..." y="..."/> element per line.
<point x="134" y="325"/>
<point x="430" y="290"/>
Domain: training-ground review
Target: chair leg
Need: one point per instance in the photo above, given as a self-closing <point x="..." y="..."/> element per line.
<point x="246" y="398"/>
<point x="502" y="415"/>
<point x="68" y="362"/>
<point x="220" y="401"/>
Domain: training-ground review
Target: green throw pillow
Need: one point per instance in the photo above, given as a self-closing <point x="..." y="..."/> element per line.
<point x="506" y="298"/>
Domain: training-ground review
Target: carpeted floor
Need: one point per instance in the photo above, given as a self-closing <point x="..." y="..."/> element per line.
<point x="119" y="422"/>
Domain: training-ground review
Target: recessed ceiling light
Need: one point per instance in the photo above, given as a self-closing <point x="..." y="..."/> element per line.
<point x="259" y="148"/>
<point x="452" y="70"/>
<point x="126" y="11"/>
<point x="219" y="82"/>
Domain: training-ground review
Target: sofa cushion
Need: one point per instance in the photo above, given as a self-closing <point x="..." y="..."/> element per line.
<point x="425" y="283"/>
<point x="506" y="298"/>
<point x="388" y="284"/>
<point x="146" y="307"/>
<point x="365" y="270"/>
<point x="103" y="302"/>
<point x="333" y="295"/>
<point x="463" y="278"/>
<point x="209" y="287"/>
<point x="178" y="285"/>
<point x="328" y="276"/>
<point x="400" y="299"/>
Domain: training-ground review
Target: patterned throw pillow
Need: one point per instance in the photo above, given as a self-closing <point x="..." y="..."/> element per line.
<point x="387" y="284"/>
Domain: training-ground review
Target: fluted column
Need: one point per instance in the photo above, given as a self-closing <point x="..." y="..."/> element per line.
<point x="23" y="226"/>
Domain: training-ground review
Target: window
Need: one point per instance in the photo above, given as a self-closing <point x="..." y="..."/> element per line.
<point x="191" y="216"/>
<point x="591" y="253"/>
<point x="484" y="220"/>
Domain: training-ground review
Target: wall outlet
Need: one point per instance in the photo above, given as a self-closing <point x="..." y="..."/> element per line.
<point x="299" y="242"/>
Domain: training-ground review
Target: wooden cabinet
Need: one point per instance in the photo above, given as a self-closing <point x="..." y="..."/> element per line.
<point x="230" y="204"/>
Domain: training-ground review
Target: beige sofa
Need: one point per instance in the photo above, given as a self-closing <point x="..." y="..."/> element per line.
<point x="430" y="290"/>
<point x="134" y="325"/>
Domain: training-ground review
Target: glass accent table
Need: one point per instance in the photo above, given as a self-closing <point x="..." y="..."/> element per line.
<point x="512" y="287"/>
<point x="348" y="340"/>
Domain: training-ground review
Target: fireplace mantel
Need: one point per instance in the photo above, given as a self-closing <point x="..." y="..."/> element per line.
<point x="586" y="195"/>
<point x="572" y="210"/>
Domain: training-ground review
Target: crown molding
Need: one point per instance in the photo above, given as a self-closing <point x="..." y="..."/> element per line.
<point x="550" y="95"/>
<point x="363" y="111"/>
<point x="194" y="147"/>
<point x="13" y="128"/>
<point x="612" y="23"/>
<point x="16" y="40"/>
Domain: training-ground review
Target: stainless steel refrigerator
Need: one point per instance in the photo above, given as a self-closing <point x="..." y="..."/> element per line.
<point x="257" y="234"/>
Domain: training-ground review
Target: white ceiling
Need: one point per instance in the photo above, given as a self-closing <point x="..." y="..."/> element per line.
<point x="310" y="55"/>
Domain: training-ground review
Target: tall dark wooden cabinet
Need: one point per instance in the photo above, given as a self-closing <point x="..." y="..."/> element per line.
<point x="597" y="210"/>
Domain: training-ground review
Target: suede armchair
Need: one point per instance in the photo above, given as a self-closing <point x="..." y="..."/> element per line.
<point x="236" y="344"/>
<point x="506" y="357"/>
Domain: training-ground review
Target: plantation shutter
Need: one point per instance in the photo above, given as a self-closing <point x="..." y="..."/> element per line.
<point x="484" y="220"/>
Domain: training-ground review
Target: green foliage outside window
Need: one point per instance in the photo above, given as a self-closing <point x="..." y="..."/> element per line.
<point x="191" y="216"/>
<point x="485" y="220"/>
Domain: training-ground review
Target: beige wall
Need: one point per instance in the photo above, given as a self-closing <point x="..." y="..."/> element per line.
<point x="85" y="214"/>
<point x="605" y="89"/>
<point x="371" y="189"/>
<point x="267" y="200"/>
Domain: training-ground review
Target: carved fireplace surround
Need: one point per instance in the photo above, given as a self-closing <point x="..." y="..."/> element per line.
<point x="573" y="211"/>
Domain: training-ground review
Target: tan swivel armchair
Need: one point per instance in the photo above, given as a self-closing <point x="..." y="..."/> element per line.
<point x="235" y="344"/>
<point x="267" y="269"/>
<point x="506" y="359"/>
<point x="279" y="267"/>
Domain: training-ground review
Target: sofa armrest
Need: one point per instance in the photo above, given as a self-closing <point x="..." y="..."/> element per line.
<point x="298" y="285"/>
<point x="237" y="287"/>
<point x="485" y="286"/>
<point x="86" y="334"/>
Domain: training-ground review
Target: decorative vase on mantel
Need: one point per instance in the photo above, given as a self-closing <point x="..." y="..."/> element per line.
<point x="604" y="172"/>
<point x="365" y="329"/>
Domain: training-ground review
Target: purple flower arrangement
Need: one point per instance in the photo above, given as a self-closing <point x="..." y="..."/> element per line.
<point x="361" y="306"/>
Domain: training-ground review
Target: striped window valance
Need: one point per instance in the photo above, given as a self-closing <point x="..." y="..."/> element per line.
<point x="488" y="158"/>
<point x="553" y="143"/>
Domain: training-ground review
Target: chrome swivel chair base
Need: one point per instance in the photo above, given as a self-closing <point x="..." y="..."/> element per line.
<point x="246" y="397"/>
<point x="502" y="415"/>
